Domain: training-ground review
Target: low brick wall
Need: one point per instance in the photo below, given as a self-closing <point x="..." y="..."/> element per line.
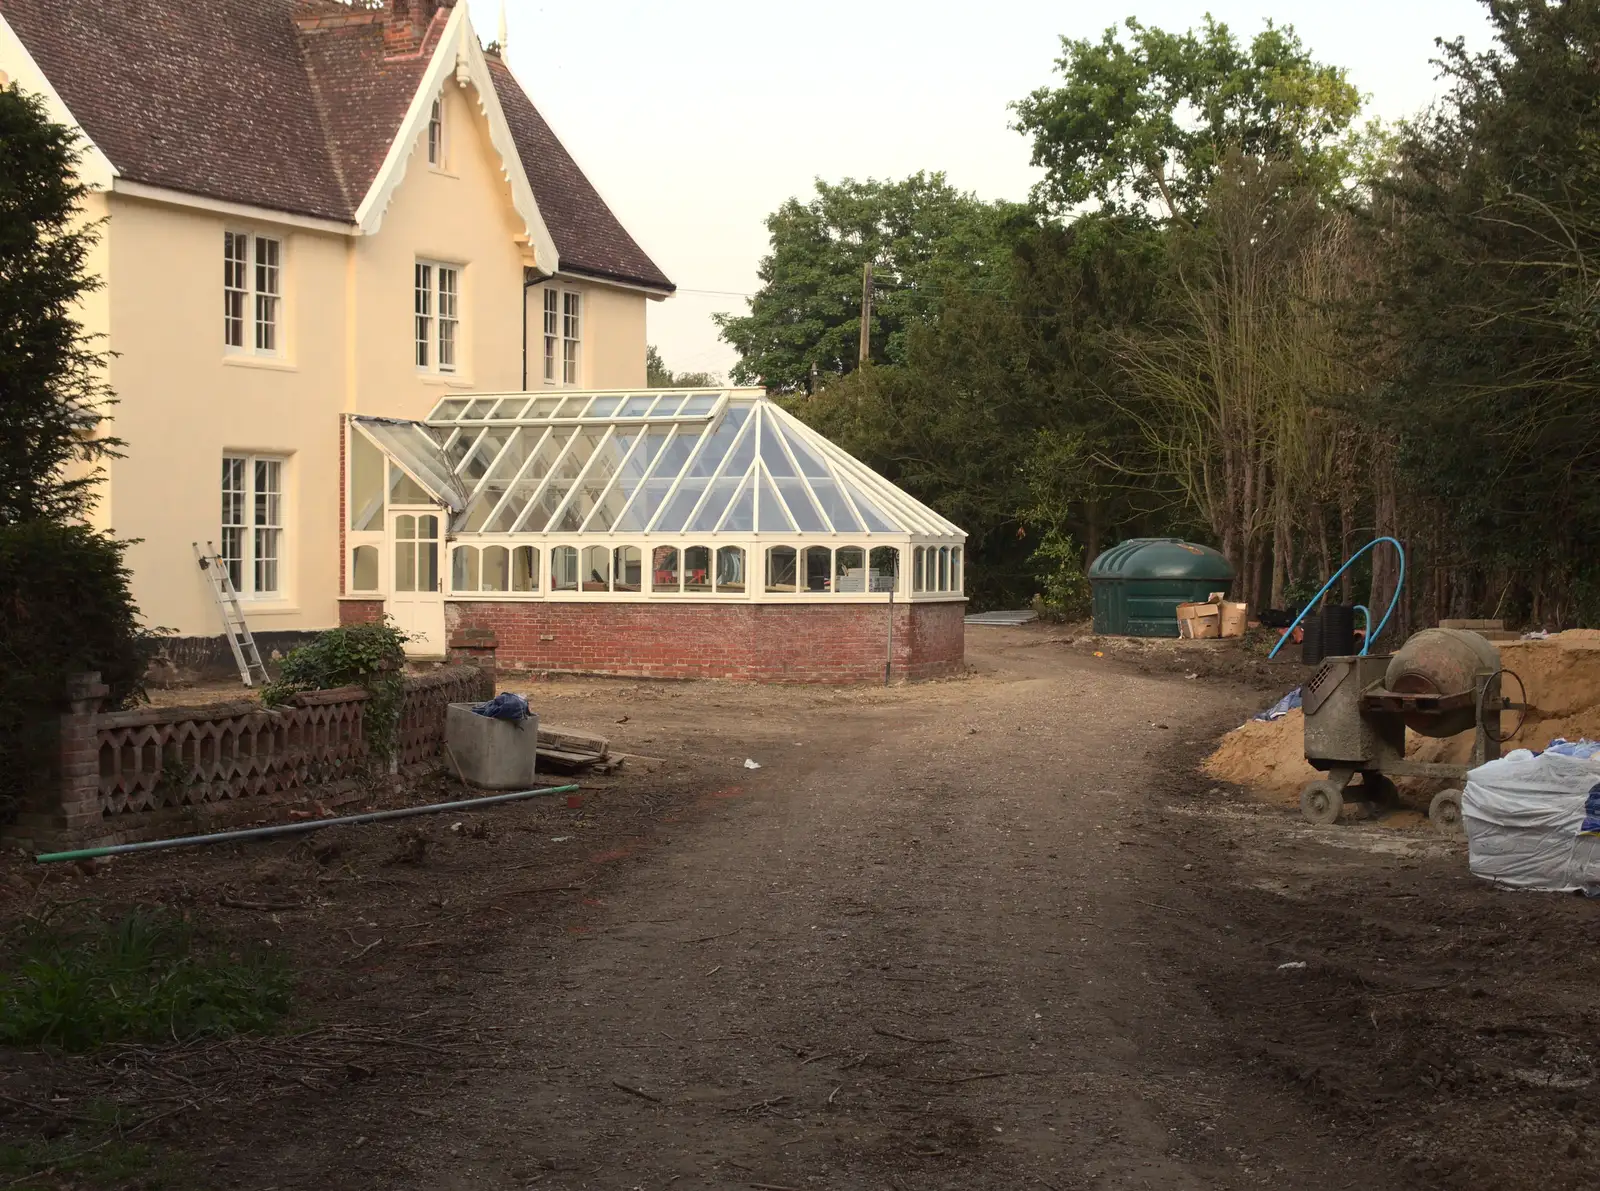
<point x="143" y="774"/>
<point x="822" y="643"/>
<point x="359" y="612"/>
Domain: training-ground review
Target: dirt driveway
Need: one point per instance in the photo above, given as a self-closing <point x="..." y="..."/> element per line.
<point x="919" y="947"/>
<point x="988" y="933"/>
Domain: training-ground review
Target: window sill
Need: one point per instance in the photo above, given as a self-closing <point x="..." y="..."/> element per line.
<point x="451" y="380"/>
<point x="268" y="607"/>
<point x="268" y="363"/>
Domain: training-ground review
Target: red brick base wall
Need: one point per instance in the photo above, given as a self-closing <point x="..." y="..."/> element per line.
<point x="839" y="643"/>
<point x="359" y="611"/>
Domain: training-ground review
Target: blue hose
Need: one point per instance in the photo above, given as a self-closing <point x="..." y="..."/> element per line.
<point x="1399" y="586"/>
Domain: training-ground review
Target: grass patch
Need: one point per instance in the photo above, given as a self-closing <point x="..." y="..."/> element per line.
<point x="94" y="1154"/>
<point x="140" y="979"/>
<point x="83" y="1159"/>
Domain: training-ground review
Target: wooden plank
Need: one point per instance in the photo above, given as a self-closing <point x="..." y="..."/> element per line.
<point x="569" y="758"/>
<point x="566" y="740"/>
<point x="564" y="762"/>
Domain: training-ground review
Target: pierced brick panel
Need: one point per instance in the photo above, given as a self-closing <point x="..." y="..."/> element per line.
<point x="422" y="713"/>
<point x="162" y="758"/>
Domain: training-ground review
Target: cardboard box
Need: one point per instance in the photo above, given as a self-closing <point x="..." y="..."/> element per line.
<point x="1199" y="622"/>
<point x="1235" y="616"/>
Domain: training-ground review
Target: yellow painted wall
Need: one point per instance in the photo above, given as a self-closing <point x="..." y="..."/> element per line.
<point x="94" y="314"/>
<point x="460" y="215"/>
<point x="613" y="335"/>
<point x="615" y="343"/>
<point x="184" y="402"/>
<point x="348" y="346"/>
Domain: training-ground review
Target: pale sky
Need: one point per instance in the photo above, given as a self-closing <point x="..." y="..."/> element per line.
<point x="697" y="118"/>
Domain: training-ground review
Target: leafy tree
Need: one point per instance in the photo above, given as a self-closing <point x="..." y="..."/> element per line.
<point x="659" y="376"/>
<point x="1001" y="415"/>
<point x="1030" y="400"/>
<point x="1077" y="291"/>
<point x="1147" y="118"/>
<point x="65" y="605"/>
<point x="1059" y="567"/>
<point x="921" y="236"/>
<point x="51" y="394"/>
<point x="1221" y="372"/>
<point x="66" y="610"/>
<point x="1488" y="231"/>
<point x="941" y="424"/>
<point x="1239" y="315"/>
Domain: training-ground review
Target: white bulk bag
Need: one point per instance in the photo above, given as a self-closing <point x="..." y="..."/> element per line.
<point x="1527" y="825"/>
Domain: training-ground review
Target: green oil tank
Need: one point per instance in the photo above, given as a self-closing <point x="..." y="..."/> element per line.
<point x="1138" y="585"/>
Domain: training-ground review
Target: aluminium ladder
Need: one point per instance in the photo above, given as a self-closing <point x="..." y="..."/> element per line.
<point x="245" y="652"/>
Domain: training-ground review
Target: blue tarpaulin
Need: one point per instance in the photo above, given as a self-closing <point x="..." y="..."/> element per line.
<point x="504" y="706"/>
<point x="1282" y="707"/>
<point x="1584" y="750"/>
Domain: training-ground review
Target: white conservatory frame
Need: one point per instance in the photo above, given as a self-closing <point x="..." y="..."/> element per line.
<point x="650" y="458"/>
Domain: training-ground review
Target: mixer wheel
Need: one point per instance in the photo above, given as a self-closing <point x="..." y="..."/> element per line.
<point x="1445" y="813"/>
<point x="1321" y="802"/>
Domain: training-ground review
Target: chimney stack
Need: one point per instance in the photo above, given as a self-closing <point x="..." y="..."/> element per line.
<point x="405" y="23"/>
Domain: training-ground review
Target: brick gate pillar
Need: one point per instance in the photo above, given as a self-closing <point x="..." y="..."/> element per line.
<point x="79" y="766"/>
<point x="66" y="812"/>
<point x="475" y="647"/>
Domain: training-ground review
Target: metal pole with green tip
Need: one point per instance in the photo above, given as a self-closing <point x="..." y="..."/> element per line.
<point x="221" y="837"/>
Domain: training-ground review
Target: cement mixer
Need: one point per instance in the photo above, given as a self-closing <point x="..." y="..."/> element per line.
<point x="1441" y="683"/>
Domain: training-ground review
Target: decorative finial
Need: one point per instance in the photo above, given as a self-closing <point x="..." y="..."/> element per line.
<point x="501" y="31"/>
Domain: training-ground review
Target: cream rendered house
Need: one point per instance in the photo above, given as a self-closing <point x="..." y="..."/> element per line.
<point x="313" y="208"/>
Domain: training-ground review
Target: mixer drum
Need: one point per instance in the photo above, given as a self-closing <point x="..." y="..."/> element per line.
<point x="1442" y="662"/>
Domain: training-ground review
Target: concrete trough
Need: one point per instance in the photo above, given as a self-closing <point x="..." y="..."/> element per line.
<point x="492" y="754"/>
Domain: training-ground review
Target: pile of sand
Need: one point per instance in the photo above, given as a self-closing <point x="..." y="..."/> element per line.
<point x="1269" y="758"/>
<point x="1562" y="675"/>
<point x="1563" y="680"/>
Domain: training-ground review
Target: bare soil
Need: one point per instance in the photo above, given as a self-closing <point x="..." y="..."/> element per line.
<point x="1558" y="679"/>
<point x="995" y="932"/>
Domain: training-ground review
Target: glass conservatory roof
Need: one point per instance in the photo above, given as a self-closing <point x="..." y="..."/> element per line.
<point x="678" y="462"/>
<point x="417" y="452"/>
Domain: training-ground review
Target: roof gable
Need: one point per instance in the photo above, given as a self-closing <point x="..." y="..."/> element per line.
<point x="591" y="238"/>
<point x="94" y="167"/>
<point x="362" y="93"/>
<point x="308" y="107"/>
<point x="458" y="56"/>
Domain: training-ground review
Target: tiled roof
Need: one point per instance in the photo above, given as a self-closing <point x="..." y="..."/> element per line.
<point x="236" y="100"/>
<point x="362" y="93"/>
<point x="589" y="237"/>
<point x="209" y="98"/>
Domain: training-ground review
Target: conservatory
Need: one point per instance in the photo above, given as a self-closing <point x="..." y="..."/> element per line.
<point x="647" y="532"/>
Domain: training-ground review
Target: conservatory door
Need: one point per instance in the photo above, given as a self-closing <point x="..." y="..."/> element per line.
<point x="416" y="598"/>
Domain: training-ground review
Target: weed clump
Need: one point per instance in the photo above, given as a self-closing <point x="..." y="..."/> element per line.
<point x="140" y="979"/>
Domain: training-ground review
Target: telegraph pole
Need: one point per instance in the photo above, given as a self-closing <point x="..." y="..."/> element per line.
<point x="866" y="314"/>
